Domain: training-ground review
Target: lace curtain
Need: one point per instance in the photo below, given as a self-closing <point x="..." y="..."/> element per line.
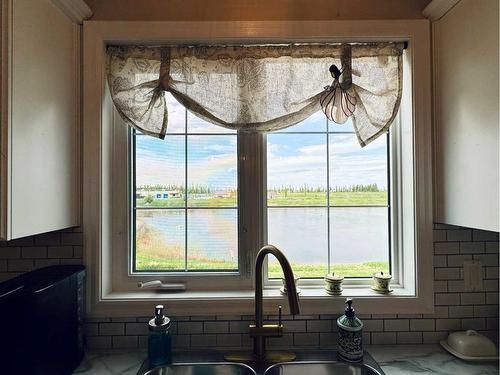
<point x="252" y="88"/>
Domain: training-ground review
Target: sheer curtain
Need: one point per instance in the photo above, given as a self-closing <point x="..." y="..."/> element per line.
<point x="253" y="88"/>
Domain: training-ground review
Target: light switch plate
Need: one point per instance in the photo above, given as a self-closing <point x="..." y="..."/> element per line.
<point x="473" y="276"/>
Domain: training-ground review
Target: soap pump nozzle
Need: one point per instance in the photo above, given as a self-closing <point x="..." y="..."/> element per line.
<point x="159" y="317"/>
<point x="349" y="310"/>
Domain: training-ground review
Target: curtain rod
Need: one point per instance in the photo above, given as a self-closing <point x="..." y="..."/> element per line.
<point x="404" y="43"/>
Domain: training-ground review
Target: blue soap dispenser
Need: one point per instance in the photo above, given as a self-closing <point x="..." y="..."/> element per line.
<point x="159" y="340"/>
<point x="350" y="344"/>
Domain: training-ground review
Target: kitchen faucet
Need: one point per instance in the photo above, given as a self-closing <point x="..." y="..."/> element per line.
<point x="260" y="331"/>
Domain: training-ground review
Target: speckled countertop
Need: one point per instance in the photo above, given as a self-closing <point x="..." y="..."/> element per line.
<point x="393" y="359"/>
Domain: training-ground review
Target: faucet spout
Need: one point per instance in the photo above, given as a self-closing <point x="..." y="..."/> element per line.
<point x="293" y="301"/>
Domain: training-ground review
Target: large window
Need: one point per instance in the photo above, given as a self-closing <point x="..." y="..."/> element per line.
<point x="185" y="205"/>
<point x="328" y="200"/>
<point x="109" y="199"/>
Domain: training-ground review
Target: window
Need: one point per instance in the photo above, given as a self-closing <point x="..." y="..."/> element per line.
<point x="108" y="207"/>
<point x="327" y="200"/>
<point x="185" y="205"/>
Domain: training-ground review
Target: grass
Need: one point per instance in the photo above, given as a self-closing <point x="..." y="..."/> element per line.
<point x="179" y="202"/>
<point x="147" y="262"/>
<point x="280" y="199"/>
<point x="319" y="270"/>
<point x="336" y="199"/>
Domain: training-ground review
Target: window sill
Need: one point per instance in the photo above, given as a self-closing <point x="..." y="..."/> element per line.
<point x="312" y="300"/>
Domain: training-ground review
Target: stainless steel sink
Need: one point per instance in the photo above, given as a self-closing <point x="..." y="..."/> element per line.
<point x="321" y="368"/>
<point x="202" y="369"/>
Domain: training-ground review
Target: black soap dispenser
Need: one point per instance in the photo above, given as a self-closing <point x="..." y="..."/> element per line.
<point x="159" y="340"/>
<point x="350" y="344"/>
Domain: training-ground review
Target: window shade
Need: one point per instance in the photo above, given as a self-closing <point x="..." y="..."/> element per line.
<point x="252" y="88"/>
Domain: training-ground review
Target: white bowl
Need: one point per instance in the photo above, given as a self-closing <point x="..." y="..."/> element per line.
<point x="470" y="346"/>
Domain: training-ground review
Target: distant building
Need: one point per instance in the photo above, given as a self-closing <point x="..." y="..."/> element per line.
<point x="222" y="194"/>
<point x="166" y="194"/>
<point x="158" y="194"/>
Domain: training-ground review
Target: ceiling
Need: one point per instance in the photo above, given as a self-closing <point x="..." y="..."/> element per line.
<point x="255" y="10"/>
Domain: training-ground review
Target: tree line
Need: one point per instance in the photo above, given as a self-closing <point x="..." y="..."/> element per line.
<point x="191" y="189"/>
<point x="338" y="188"/>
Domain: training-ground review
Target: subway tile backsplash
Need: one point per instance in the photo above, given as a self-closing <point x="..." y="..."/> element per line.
<point x="455" y="309"/>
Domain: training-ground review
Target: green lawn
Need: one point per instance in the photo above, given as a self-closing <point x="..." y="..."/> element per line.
<point x="146" y="262"/>
<point x="280" y="199"/>
<point x="336" y="198"/>
<point x="344" y="269"/>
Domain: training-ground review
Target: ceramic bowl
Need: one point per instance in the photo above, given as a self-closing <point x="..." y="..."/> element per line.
<point x="381" y="282"/>
<point x="333" y="284"/>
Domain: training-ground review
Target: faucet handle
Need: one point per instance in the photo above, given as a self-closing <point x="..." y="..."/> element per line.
<point x="279" y="315"/>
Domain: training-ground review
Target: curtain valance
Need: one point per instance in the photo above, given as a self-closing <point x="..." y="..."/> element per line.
<point x="259" y="88"/>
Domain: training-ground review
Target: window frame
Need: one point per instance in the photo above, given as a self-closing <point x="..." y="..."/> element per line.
<point x="105" y="222"/>
<point x="124" y="275"/>
<point x="238" y="280"/>
<point x="181" y="276"/>
<point x="394" y="221"/>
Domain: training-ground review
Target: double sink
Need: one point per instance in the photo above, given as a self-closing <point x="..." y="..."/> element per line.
<point x="312" y="363"/>
<point x="289" y="368"/>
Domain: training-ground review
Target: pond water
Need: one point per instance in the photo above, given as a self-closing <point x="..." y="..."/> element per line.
<point x="357" y="234"/>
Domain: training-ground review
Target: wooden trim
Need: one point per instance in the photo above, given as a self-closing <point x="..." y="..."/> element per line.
<point x="436" y="9"/>
<point x="76" y="10"/>
<point x="77" y="40"/>
<point x="312" y="301"/>
<point x="103" y="301"/>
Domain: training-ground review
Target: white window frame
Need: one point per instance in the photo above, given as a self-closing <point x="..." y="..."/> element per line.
<point x="111" y="293"/>
<point x="199" y="280"/>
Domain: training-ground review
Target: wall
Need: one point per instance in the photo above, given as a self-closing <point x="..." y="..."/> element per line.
<point x="254" y="10"/>
<point x="454" y="309"/>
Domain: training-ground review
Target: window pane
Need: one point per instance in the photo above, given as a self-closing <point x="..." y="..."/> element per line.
<point x="359" y="240"/>
<point x="301" y="233"/>
<point x="314" y="123"/>
<point x="212" y="171"/>
<point x="358" y="176"/>
<point x="198" y="125"/>
<point x="159" y="171"/>
<point x="212" y="239"/>
<point x="176" y="115"/>
<point x="296" y="170"/>
<point x="160" y="240"/>
<point x="346" y="127"/>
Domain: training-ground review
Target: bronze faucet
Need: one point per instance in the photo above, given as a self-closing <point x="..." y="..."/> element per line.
<point x="259" y="331"/>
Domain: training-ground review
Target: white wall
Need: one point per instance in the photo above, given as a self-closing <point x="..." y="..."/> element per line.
<point x="466" y="115"/>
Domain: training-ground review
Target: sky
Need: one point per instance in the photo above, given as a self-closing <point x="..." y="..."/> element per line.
<point x="293" y="159"/>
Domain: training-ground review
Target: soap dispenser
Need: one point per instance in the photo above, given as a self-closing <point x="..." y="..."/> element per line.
<point x="159" y="340"/>
<point x="350" y="343"/>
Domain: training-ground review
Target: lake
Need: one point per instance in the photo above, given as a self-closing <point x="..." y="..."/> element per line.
<point x="357" y="234"/>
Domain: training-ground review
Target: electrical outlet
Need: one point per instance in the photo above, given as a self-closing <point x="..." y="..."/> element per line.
<point x="473" y="276"/>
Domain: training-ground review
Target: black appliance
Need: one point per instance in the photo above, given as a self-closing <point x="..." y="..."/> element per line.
<point x="41" y="321"/>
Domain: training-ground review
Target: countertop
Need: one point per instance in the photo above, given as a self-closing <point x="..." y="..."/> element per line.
<point x="393" y="359"/>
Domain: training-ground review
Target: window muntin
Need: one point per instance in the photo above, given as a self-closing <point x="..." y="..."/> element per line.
<point x="185" y="211"/>
<point x="328" y="200"/>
